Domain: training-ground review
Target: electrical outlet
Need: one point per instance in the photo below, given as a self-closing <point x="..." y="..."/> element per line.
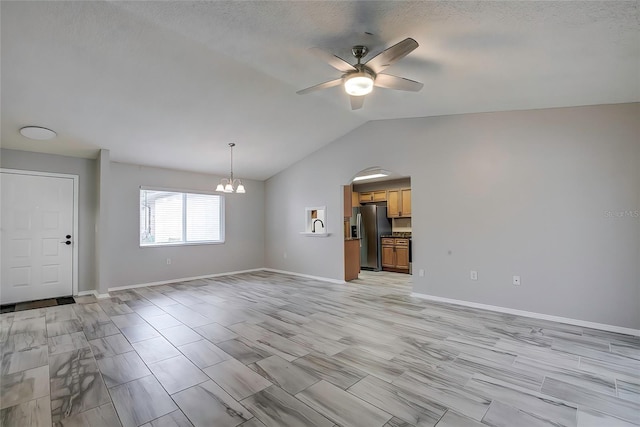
<point x="168" y="261"/>
<point x="421" y="272"/>
<point x="474" y="275"/>
<point x="516" y="280"/>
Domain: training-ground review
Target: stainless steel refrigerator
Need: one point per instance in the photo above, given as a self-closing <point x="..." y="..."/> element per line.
<point x="370" y="222"/>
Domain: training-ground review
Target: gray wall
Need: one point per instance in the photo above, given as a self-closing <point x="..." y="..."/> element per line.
<point x="131" y="264"/>
<point x="86" y="170"/>
<point x="529" y="193"/>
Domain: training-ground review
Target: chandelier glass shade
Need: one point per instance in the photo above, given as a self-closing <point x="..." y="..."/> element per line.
<point x="231" y="185"/>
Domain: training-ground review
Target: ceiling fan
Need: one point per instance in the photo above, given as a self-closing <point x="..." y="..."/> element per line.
<point x="359" y="79"/>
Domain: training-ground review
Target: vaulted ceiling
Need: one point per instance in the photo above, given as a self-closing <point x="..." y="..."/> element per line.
<point x="169" y="84"/>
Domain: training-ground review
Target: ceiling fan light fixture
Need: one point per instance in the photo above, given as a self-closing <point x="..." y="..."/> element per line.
<point x="358" y="84"/>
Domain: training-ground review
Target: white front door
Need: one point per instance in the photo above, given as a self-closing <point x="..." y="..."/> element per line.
<point x="37" y="236"/>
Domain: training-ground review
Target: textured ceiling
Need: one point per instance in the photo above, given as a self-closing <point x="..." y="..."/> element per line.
<point x="169" y="84"/>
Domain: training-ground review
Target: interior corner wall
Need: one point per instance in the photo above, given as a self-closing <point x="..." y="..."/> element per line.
<point x="134" y="265"/>
<point x="86" y="170"/>
<point x="550" y="195"/>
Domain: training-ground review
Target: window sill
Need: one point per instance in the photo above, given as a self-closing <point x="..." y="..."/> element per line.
<point x="305" y="233"/>
<point x="162" y="245"/>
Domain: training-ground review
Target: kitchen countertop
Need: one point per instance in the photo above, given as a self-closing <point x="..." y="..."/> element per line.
<point x="398" y="235"/>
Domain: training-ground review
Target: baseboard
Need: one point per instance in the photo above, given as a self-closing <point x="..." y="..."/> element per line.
<point x="308" y="276"/>
<point x="183" y="279"/>
<point x="567" y="320"/>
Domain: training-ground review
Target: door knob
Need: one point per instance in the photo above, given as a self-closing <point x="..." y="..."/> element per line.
<point x="68" y="236"/>
<point x="68" y="242"/>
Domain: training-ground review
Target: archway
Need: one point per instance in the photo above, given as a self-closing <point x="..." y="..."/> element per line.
<point x="378" y="225"/>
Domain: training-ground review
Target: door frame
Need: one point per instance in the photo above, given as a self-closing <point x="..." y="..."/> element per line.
<point x="76" y="180"/>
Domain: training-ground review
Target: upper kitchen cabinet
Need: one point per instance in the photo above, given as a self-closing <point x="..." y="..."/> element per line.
<point x="399" y="203"/>
<point x="372" y="196"/>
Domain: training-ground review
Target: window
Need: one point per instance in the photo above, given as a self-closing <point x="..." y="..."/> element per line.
<point x="176" y="218"/>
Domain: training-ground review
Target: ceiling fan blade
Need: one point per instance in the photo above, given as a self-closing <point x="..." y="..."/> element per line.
<point x="391" y="55"/>
<point x="324" y="85"/>
<point x="333" y="60"/>
<point x="399" y="83"/>
<point x="356" y="102"/>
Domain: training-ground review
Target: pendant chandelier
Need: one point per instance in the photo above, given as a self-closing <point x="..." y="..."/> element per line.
<point x="230" y="185"/>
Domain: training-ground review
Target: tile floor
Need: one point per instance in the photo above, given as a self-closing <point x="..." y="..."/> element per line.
<point x="266" y="349"/>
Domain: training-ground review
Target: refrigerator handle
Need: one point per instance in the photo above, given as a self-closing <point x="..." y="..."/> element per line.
<point x="358" y="228"/>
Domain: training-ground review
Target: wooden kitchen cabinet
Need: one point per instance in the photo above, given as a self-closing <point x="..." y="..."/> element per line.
<point x="351" y="259"/>
<point x="348" y="205"/>
<point x="372" y="196"/>
<point x="395" y="255"/>
<point x="399" y="203"/>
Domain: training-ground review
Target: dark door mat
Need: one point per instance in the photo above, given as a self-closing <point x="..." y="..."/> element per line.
<point x="9" y="308"/>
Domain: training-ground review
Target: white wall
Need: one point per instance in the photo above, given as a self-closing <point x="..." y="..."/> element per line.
<point x="86" y="170"/>
<point x="131" y="264"/>
<point x="526" y="193"/>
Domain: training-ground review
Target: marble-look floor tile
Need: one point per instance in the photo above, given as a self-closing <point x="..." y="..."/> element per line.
<point x="453" y="419"/>
<point x="101" y="416"/>
<point x="203" y="353"/>
<point x="21" y="341"/>
<point x="331" y="370"/>
<point x="149" y="311"/>
<point x="342" y="407"/>
<point x="411" y="407"/>
<point x="590" y="418"/>
<point x="24" y="386"/>
<point x="174" y="419"/>
<point x="122" y="368"/>
<point x="139" y="332"/>
<point x="76" y="383"/>
<point x="501" y="414"/>
<point x="439" y="389"/>
<point x="207" y="405"/>
<point x="370" y="363"/>
<point x="26" y="358"/>
<point x="63" y="327"/>
<point x="60" y="314"/>
<point x="575" y="376"/>
<point x="628" y="390"/>
<point x="34" y="413"/>
<point x="141" y="401"/>
<point x="269" y="341"/>
<point x="110" y="346"/>
<point x="187" y="316"/>
<point x="397" y="422"/>
<point x="114" y="307"/>
<point x="620" y="408"/>
<point x="215" y="333"/>
<point x="253" y="422"/>
<point x="318" y="344"/>
<point x="127" y="320"/>
<point x="243" y="350"/>
<point x="276" y="408"/>
<point x="542" y="406"/>
<point x="236" y="379"/>
<point x="155" y="350"/>
<point x="67" y="343"/>
<point x="36" y="324"/>
<point x="177" y="373"/>
<point x="163" y="321"/>
<point x="180" y="335"/>
<point x="95" y="329"/>
<point x="286" y="375"/>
